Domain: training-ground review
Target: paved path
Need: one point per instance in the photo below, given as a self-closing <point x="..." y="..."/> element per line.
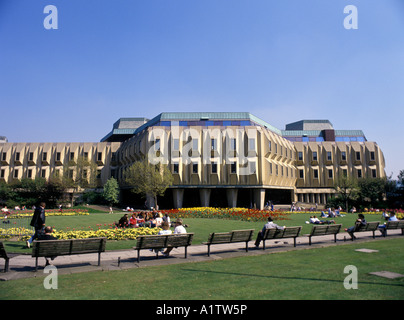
<point x="23" y="266"/>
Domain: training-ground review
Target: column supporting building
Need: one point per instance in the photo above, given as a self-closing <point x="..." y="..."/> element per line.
<point x="232" y="197"/>
<point x="178" y="197"/>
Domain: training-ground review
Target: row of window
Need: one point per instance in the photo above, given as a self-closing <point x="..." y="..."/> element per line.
<point x="330" y="173"/>
<point x="321" y="139"/>
<point x="43" y="173"/>
<point x="314" y="156"/>
<point x="58" y="156"/>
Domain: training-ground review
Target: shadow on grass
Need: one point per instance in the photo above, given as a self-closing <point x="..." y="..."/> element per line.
<point x="290" y="278"/>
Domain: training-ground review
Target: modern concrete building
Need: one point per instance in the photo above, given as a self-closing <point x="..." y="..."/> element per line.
<point x="216" y="158"/>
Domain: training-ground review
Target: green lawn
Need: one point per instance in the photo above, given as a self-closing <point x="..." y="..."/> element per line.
<point x="200" y="227"/>
<point x="312" y="274"/>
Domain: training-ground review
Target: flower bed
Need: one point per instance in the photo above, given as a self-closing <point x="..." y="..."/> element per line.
<point x="226" y="213"/>
<point x="53" y="212"/>
<point x="110" y="234"/>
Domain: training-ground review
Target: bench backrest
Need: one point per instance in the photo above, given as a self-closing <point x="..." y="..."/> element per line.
<point x="287" y="232"/>
<point x="370" y="226"/>
<point x="242" y="235"/>
<point x="231" y="236"/>
<point x="320" y="230"/>
<point x="3" y="252"/>
<point x="48" y="248"/>
<point x="163" y="241"/>
<point x="395" y="224"/>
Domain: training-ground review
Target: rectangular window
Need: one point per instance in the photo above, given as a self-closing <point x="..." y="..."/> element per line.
<point x="17" y="156"/>
<point x="2" y="173"/>
<point x="44" y="156"/>
<point x="4" y="156"/>
<point x="314" y="155"/>
<point x="214" y="167"/>
<point x="85" y="155"/>
<point x="16" y="173"/>
<point x="71" y="155"/>
<point x="29" y="173"/>
<point x="315" y="174"/>
<point x="359" y="173"/>
<point x="301" y="174"/>
<point x="343" y="156"/>
<point x="233" y="167"/>
<point x="57" y="156"/>
<point x="213" y="144"/>
<point x="31" y="156"/>
<point x="374" y="173"/>
<point x="300" y="156"/>
<point x="329" y="156"/>
<point x="372" y="156"/>
<point x="175" y="167"/>
<point x="194" y="168"/>
<point x="99" y="156"/>
<point x="330" y="173"/>
<point x="43" y="173"/>
<point x="358" y="156"/>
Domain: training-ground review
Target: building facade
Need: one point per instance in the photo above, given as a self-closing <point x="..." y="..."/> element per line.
<point x="216" y="158"/>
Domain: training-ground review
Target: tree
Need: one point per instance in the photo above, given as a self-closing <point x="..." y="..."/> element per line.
<point x="79" y="174"/>
<point x="372" y="191"/>
<point x="111" y="191"/>
<point x="148" y="179"/>
<point x="348" y="190"/>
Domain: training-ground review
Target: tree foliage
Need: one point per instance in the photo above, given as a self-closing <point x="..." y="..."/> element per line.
<point x="111" y="191"/>
<point x="148" y="179"/>
<point x="347" y="189"/>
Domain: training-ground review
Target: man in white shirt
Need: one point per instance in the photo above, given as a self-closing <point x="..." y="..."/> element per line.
<point x="179" y="228"/>
<point x="269" y="225"/>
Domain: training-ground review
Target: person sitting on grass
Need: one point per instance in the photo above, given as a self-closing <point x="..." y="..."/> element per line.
<point x="123" y="222"/>
<point x="315" y="220"/>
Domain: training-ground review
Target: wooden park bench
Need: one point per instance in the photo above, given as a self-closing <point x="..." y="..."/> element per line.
<point x="394" y="225"/>
<point x="230" y="237"/>
<point x="323" y="230"/>
<point x="370" y="226"/>
<point x="55" y="248"/>
<point x="6" y="256"/>
<point x="287" y="232"/>
<point x="163" y="241"/>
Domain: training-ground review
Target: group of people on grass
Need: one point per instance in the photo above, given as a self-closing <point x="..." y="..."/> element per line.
<point x="143" y="219"/>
